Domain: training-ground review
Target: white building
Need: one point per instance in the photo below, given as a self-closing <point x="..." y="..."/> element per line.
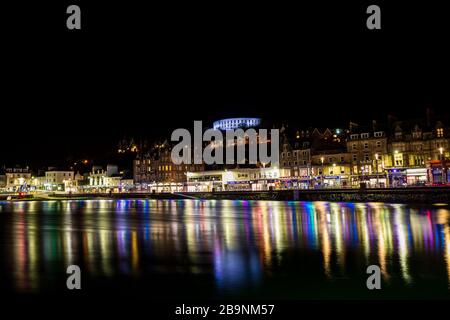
<point x="235" y="123"/>
<point x="59" y="180"/>
<point x="108" y="180"/>
<point x="234" y="179"/>
<point x="18" y="179"/>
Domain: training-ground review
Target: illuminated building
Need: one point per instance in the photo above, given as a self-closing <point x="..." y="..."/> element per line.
<point x="314" y="158"/>
<point x="127" y="146"/>
<point x="417" y="153"/>
<point x="108" y="180"/>
<point x="244" y="179"/>
<point x="236" y="123"/>
<point x="368" y="149"/>
<point x="156" y="171"/>
<point x="59" y="180"/>
<point x="331" y="169"/>
<point x="295" y="159"/>
<point x="18" y="179"/>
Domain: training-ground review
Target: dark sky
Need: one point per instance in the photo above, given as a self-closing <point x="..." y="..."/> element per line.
<point x="140" y="71"/>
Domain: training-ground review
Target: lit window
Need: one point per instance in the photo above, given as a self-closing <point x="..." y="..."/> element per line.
<point x="378" y="134"/>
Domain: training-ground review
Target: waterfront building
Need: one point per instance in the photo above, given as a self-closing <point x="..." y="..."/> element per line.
<point x="242" y="179"/>
<point x="108" y="180"/>
<point x="295" y="159"/>
<point x="417" y="153"/>
<point x="331" y="169"/>
<point x="155" y="171"/>
<point x="18" y="179"/>
<point x="368" y="148"/>
<point x="57" y="180"/>
<point x="314" y="158"/>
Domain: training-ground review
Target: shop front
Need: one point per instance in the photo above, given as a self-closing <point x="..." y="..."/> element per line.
<point x="265" y="184"/>
<point x="397" y="177"/>
<point x="238" y="186"/>
<point x="438" y="173"/>
<point x="295" y="182"/>
<point x="416" y="176"/>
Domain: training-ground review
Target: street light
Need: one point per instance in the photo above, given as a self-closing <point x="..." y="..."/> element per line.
<point x="321" y="160"/>
<point x="444" y="174"/>
<point x="376" y="168"/>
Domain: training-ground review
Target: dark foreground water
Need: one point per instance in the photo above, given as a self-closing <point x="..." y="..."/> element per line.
<point x="207" y="249"/>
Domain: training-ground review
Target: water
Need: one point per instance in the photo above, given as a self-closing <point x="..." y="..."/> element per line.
<point x="225" y="249"/>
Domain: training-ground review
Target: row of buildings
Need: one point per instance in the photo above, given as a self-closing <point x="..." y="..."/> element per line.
<point x="409" y="153"/>
<point x="397" y="154"/>
<point x="19" y="179"/>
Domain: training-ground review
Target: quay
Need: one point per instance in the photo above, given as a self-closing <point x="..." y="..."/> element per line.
<point x="425" y="195"/>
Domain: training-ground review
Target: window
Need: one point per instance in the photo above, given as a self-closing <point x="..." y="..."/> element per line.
<point x="342" y="159"/>
<point x="354" y="146"/>
<point x="330" y="159"/>
<point x="364" y="135"/>
<point x="366" y="157"/>
<point x="354" y="136"/>
<point x="416" y="134"/>
<point x="355" y="157"/>
<point x="398" y="159"/>
<point x="378" y="144"/>
<point x="440" y="132"/>
<point x="378" y="134"/>
<point x="366" y="145"/>
<point x="419" y="161"/>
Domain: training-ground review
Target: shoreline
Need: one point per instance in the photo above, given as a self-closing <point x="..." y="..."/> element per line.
<point x="418" y="195"/>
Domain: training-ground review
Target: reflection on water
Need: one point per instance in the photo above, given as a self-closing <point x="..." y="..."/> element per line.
<point x="233" y="244"/>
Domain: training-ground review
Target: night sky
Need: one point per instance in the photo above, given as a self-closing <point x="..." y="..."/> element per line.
<point x="141" y="71"/>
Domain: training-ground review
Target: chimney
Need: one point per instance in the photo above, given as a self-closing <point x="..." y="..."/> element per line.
<point x="391" y="120"/>
<point x="374" y="125"/>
